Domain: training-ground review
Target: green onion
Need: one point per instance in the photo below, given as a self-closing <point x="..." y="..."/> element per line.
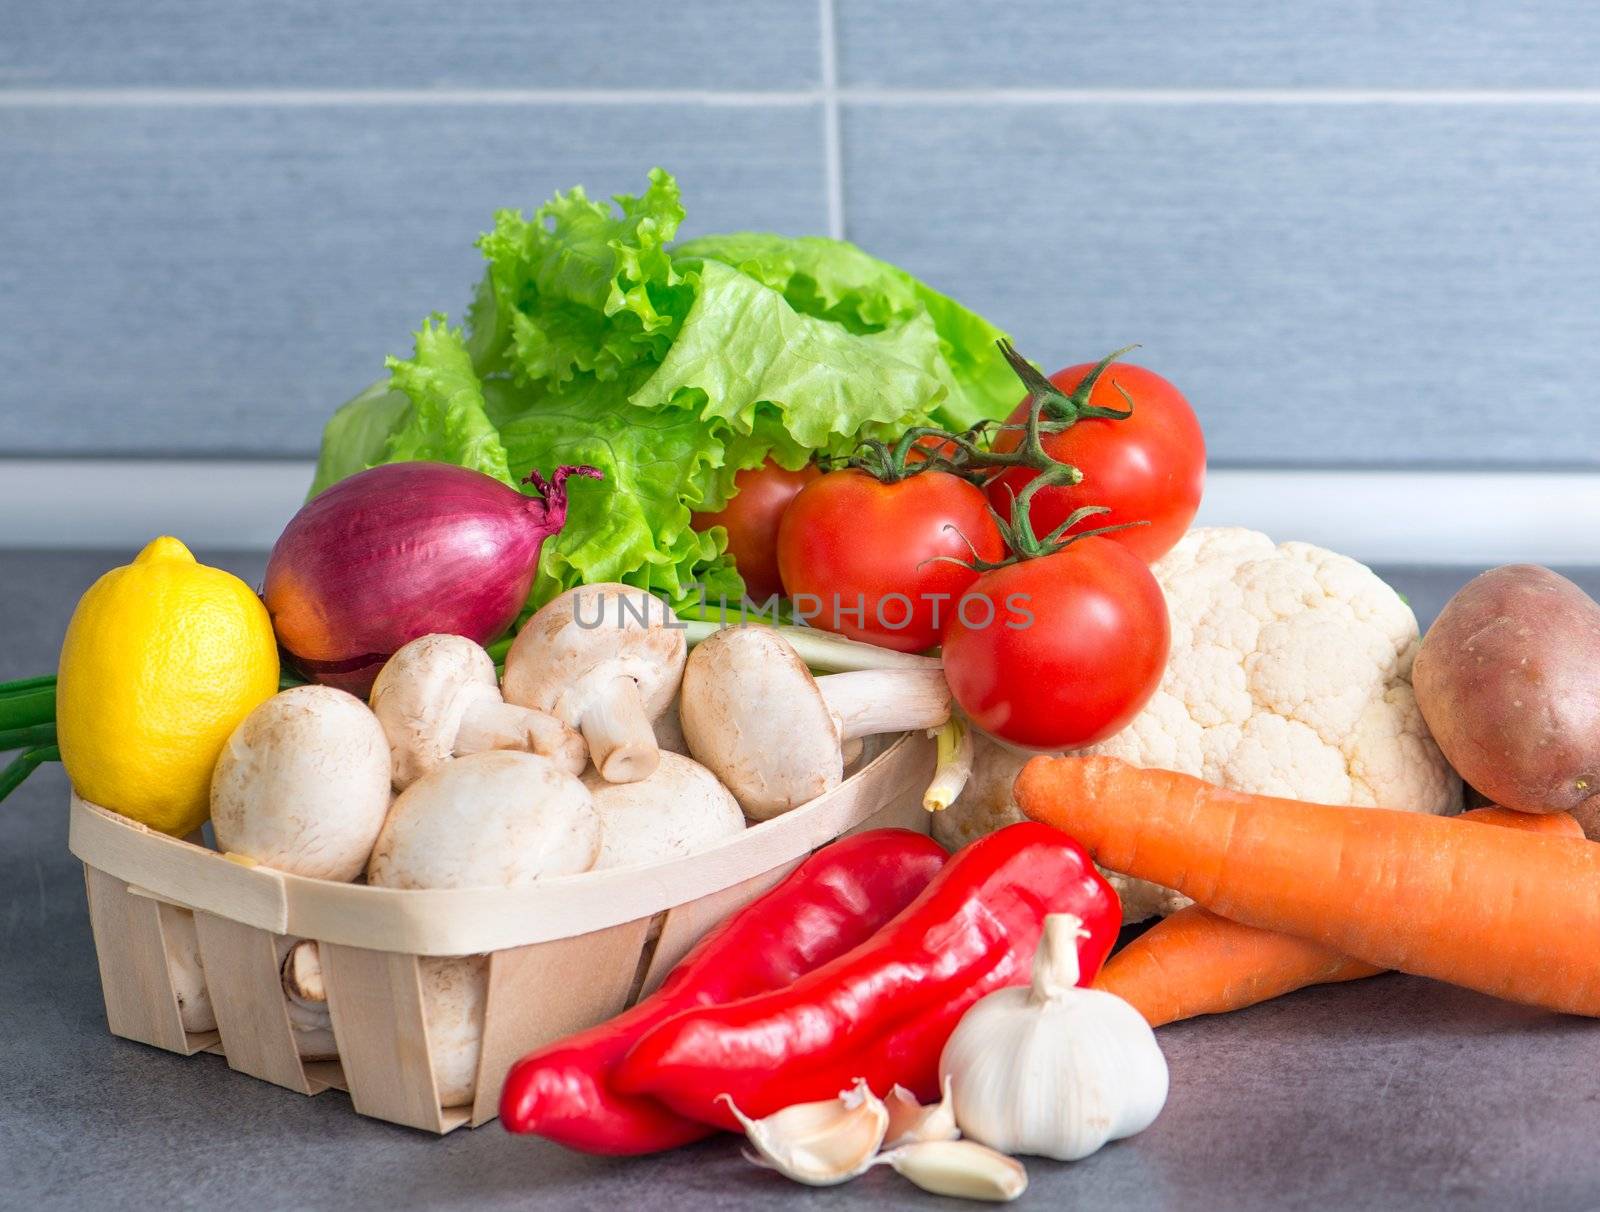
<point x="26" y="708"/>
<point x="23" y="765"/>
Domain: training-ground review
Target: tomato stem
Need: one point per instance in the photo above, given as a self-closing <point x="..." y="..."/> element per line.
<point x="1064" y="411"/>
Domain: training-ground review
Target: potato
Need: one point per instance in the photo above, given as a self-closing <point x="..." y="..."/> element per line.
<point x="1508" y="679"/>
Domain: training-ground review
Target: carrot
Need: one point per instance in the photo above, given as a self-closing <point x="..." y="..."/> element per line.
<point x="1509" y="913"/>
<point x="1196" y="963"/>
<point x="1555" y="824"/>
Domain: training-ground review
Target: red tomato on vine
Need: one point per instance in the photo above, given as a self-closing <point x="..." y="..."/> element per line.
<point x="877" y="561"/>
<point x="751" y="517"/>
<point x="1061" y="650"/>
<point x="1147" y="466"/>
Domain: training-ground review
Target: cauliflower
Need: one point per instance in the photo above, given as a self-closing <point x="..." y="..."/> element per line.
<point x="1290" y="675"/>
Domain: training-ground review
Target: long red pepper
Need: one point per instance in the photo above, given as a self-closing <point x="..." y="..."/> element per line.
<point x="884" y="1011"/>
<point x="832" y="902"/>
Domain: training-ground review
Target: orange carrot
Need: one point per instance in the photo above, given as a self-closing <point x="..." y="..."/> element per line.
<point x="1510" y="913"/>
<point x="1196" y="963"/>
<point x="1555" y="824"/>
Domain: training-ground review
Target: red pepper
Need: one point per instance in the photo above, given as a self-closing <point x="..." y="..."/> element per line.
<point x="832" y="902"/>
<point x="884" y="1011"/>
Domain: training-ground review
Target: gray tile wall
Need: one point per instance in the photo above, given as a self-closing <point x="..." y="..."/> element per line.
<point x="1359" y="233"/>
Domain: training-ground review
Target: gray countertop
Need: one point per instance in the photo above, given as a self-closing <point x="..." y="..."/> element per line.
<point x="1385" y="1093"/>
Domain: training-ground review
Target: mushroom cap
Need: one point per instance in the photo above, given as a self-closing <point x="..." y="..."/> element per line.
<point x="421" y="695"/>
<point x="680" y="809"/>
<point x="669" y="731"/>
<point x="303" y="784"/>
<point x="753" y="714"/>
<point x="582" y="640"/>
<point x="488" y="820"/>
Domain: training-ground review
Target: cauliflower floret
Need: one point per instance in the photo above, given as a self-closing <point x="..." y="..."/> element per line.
<point x="1290" y="675"/>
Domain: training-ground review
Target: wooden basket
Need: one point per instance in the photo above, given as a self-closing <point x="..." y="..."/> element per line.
<point x="563" y="954"/>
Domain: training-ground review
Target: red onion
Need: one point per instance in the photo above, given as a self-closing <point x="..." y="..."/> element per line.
<point x="404" y="550"/>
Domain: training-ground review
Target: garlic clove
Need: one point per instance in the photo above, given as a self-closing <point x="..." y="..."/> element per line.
<point x="910" y="1122"/>
<point x="962" y="1168"/>
<point x="820" y="1144"/>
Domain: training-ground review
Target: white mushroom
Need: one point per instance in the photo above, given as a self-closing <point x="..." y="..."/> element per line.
<point x="774" y="734"/>
<point x="453" y="996"/>
<point x="669" y="731"/>
<point x="453" y="992"/>
<point x="488" y="820"/>
<point x="437" y="698"/>
<point x="605" y="659"/>
<point x="300" y="967"/>
<point x="303" y="784"/>
<point x="680" y="809"/>
<point x="187" y="970"/>
<point x="499" y="819"/>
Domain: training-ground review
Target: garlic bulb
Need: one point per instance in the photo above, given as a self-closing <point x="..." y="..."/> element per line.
<point x="820" y="1144"/>
<point x="1054" y="1070"/>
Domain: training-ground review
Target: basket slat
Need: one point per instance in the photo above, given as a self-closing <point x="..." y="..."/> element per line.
<point x="375" y="999"/>
<point x="242" y="976"/>
<point x="543" y="991"/>
<point x="195" y="1041"/>
<point x="902" y="811"/>
<point x="325" y="1075"/>
<point x="141" y="1003"/>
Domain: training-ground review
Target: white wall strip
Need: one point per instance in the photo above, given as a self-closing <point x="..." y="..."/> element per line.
<point x="1382" y="517"/>
<point x="1418" y="517"/>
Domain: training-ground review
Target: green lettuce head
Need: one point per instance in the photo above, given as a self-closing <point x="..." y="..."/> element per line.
<point x="671" y="367"/>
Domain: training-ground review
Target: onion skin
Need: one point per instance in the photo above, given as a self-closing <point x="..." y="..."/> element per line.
<point x="405" y="550"/>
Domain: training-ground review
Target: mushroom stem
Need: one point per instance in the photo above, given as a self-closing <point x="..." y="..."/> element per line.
<point x="822" y="650"/>
<point x="492" y="724"/>
<point x="622" y="741"/>
<point x="874" y="701"/>
<point x="302" y="972"/>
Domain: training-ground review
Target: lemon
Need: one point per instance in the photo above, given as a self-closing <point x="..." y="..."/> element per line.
<point x="162" y="659"/>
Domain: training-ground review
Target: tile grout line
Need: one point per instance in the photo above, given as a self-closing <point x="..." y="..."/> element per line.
<point x="67" y="98"/>
<point x="832" y="152"/>
<point x="831" y="96"/>
<point x="1220" y="96"/>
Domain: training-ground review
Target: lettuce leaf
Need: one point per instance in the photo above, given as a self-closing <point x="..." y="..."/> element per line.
<point x="634" y="525"/>
<point x="593" y="339"/>
<point x="743" y="345"/>
<point x="836" y="281"/>
<point x="447" y="421"/>
<point x="578" y="288"/>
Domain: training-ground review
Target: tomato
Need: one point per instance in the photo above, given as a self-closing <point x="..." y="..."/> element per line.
<point x="1061" y="651"/>
<point x="861" y="557"/>
<point x="928" y="445"/>
<point x="760" y="495"/>
<point x="1150" y="467"/>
